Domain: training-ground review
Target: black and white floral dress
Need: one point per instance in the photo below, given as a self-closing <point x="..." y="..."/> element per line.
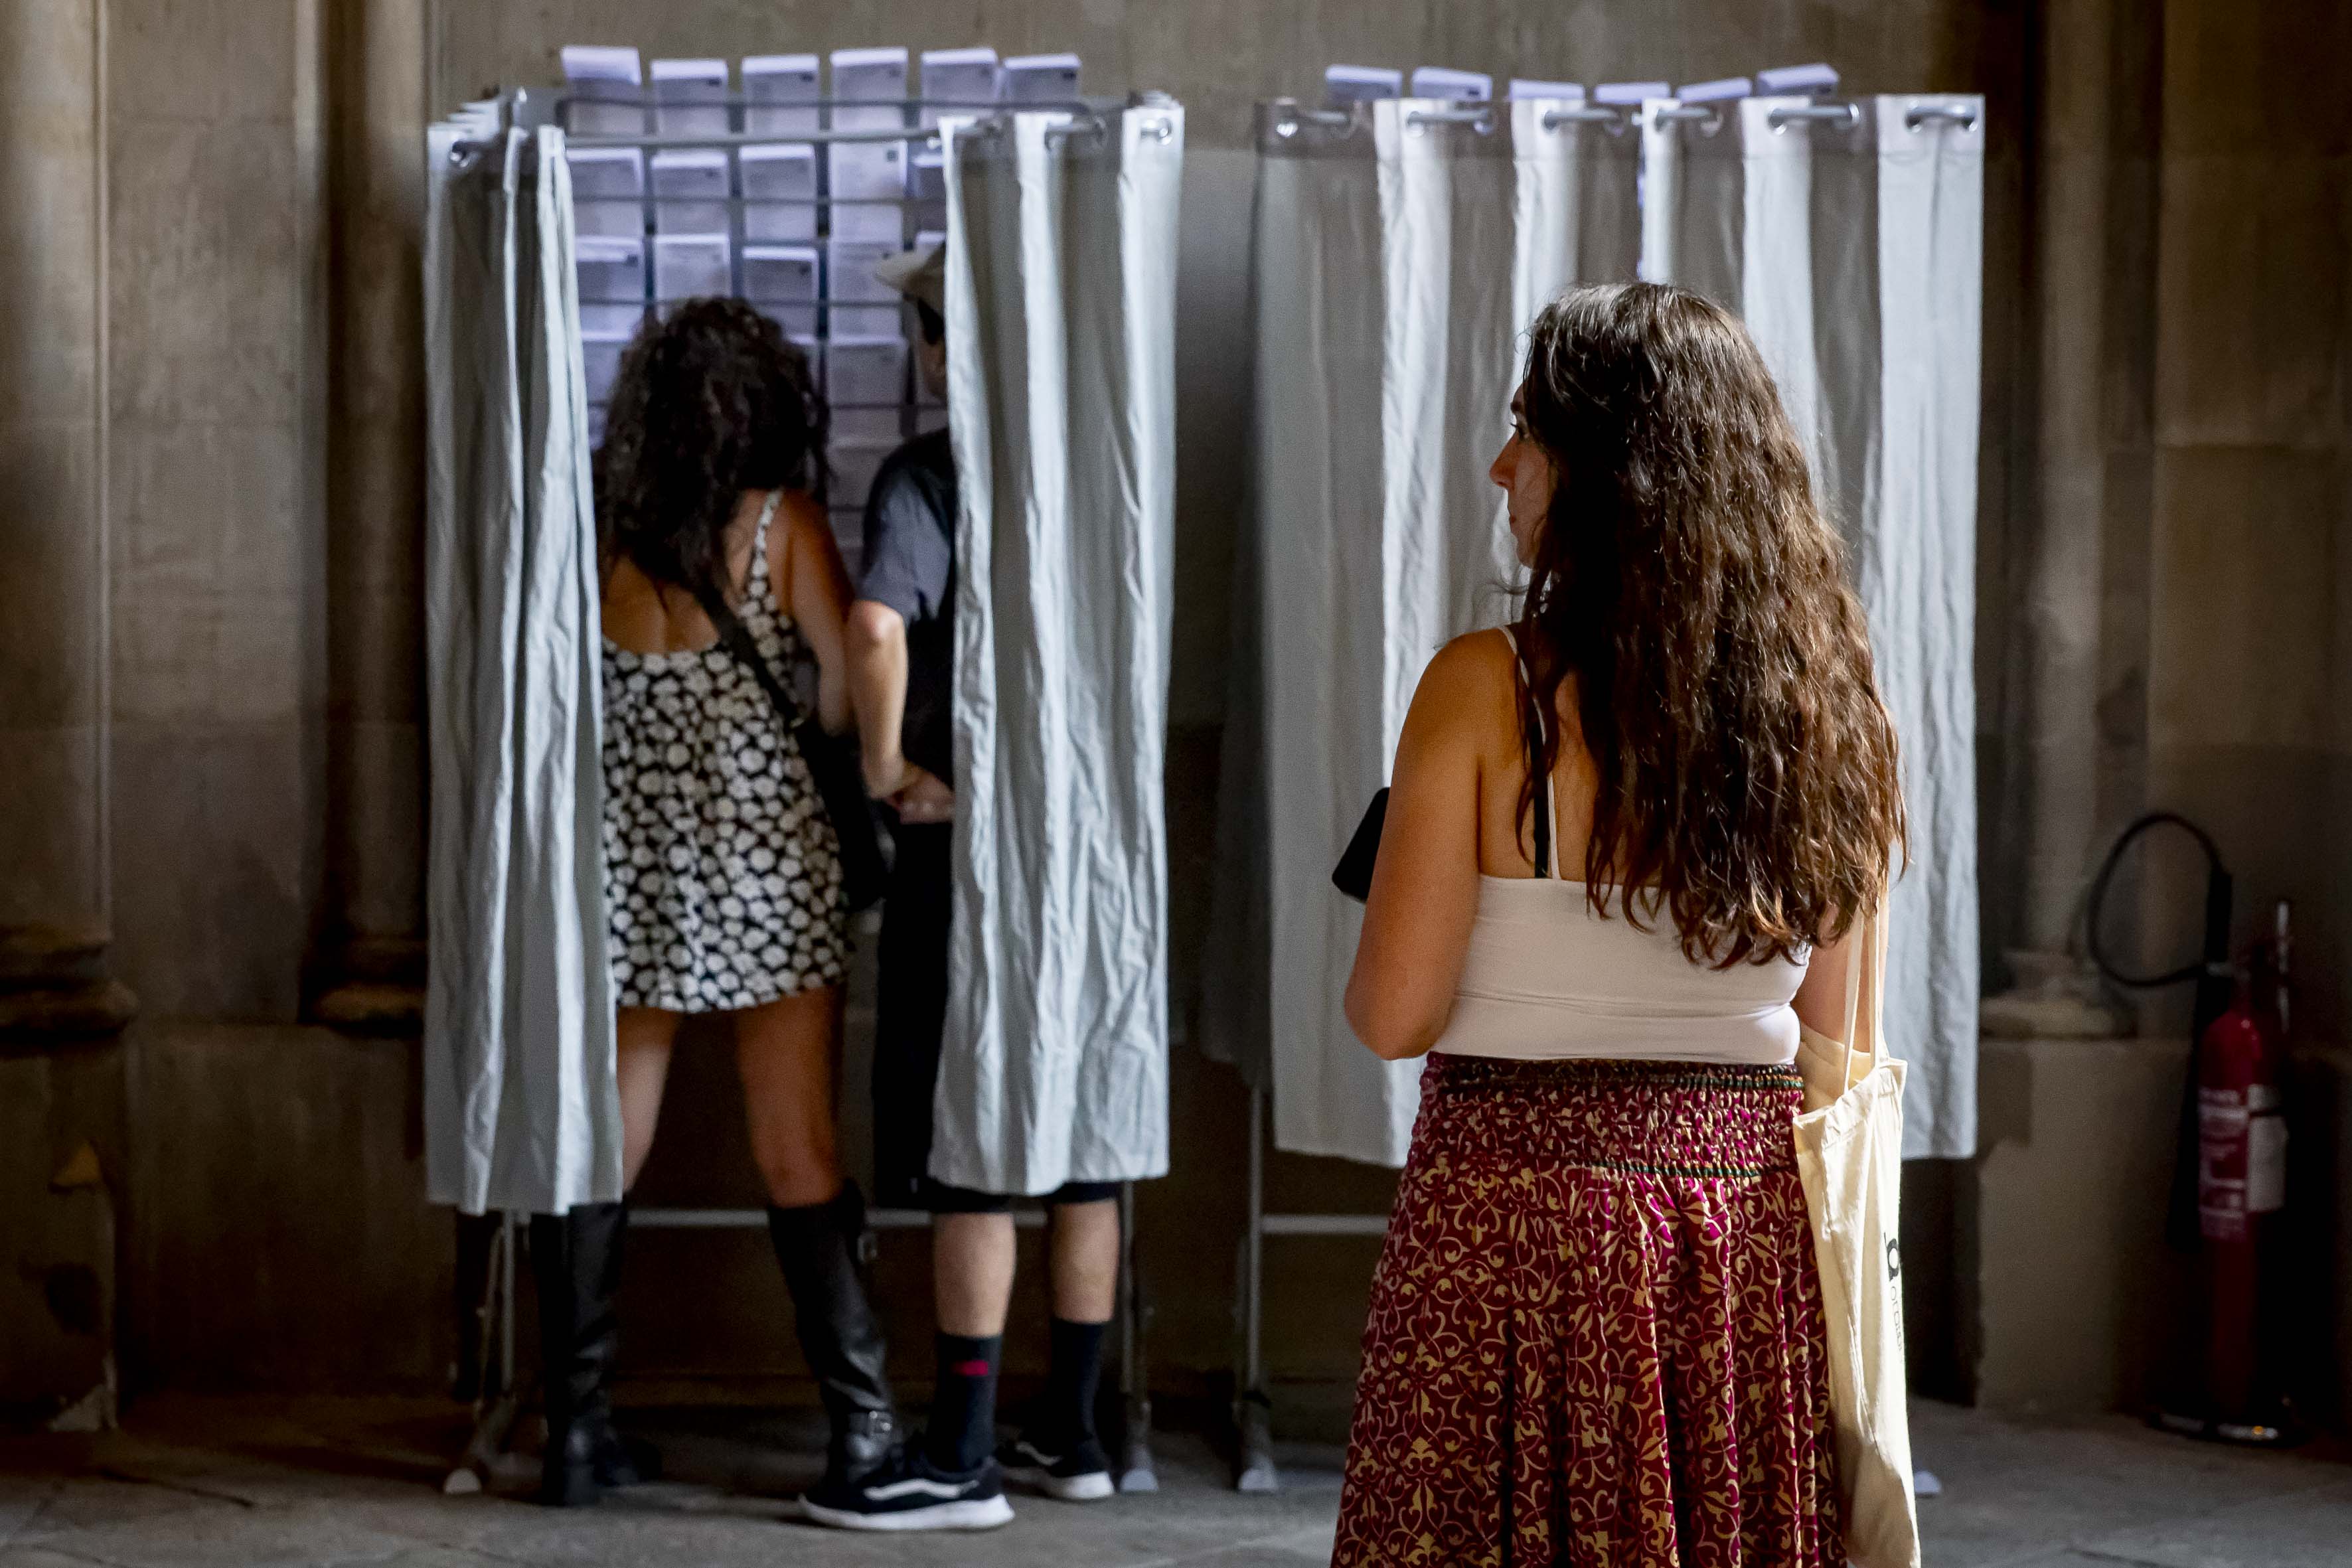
<point x="722" y="877"/>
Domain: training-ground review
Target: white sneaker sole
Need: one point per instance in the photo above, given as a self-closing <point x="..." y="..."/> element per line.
<point x="1093" y="1486"/>
<point x="981" y="1513"/>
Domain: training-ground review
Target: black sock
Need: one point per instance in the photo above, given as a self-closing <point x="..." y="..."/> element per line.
<point x="1072" y="1378"/>
<point x="963" y="1406"/>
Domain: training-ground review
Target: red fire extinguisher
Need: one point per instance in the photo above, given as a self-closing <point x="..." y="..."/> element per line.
<point x="2227" y="1212"/>
<point x="2242" y="1137"/>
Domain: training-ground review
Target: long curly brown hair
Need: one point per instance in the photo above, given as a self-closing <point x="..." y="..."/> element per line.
<point x="710" y="401"/>
<point x="1686" y="576"/>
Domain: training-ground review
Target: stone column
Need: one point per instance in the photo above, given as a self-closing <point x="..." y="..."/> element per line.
<point x="53" y="416"/>
<point x="2059" y="754"/>
<point x="375" y="488"/>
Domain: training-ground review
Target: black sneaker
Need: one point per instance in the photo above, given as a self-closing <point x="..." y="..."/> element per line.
<point x="1074" y="1471"/>
<point x="909" y="1492"/>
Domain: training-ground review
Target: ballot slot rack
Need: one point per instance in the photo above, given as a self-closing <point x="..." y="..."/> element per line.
<point x="787" y="194"/>
<point x="680" y="188"/>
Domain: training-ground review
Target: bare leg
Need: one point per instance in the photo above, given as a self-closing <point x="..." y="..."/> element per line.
<point x="1085" y="1261"/>
<point x="645" y="1036"/>
<point x="788" y="1054"/>
<point x="972" y="1272"/>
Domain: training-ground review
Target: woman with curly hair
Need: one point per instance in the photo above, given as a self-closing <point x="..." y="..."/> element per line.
<point x="723" y="881"/>
<point x="1596" y="1334"/>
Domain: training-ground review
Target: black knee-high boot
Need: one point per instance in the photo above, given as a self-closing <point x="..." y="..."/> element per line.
<point x="819" y="1247"/>
<point x="576" y="1261"/>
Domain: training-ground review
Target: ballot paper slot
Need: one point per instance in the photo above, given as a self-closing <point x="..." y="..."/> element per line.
<point x="699" y="190"/>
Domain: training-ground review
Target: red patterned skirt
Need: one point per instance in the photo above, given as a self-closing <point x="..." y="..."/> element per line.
<point x="1596" y="1334"/>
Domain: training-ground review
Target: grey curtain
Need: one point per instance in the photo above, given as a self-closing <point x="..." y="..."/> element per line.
<point x="1061" y="315"/>
<point x="1396" y="263"/>
<point x="1855" y="255"/>
<point x="522" y="1110"/>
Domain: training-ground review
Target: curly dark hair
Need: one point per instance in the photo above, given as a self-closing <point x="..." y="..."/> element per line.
<point x="1687" y="577"/>
<point x="711" y="400"/>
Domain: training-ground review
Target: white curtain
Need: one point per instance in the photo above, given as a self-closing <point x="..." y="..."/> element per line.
<point x="1397" y="263"/>
<point x="1061" y="324"/>
<point x="1856" y="257"/>
<point x="522" y="1110"/>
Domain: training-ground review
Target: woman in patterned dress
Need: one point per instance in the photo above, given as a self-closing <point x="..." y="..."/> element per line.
<point x="722" y="875"/>
<point x="1595" y="1336"/>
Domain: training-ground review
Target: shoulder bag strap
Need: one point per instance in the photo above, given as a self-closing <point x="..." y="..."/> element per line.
<point x="1534" y="726"/>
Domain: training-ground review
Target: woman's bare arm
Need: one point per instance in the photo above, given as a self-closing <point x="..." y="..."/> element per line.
<point x="1424" y="893"/>
<point x="1821" y="996"/>
<point x="811" y="582"/>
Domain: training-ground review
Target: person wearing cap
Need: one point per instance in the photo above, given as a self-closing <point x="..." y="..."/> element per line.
<point x="900" y="639"/>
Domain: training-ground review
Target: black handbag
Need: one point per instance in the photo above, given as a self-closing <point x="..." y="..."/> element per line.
<point x="832" y="764"/>
<point x="1353" y="875"/>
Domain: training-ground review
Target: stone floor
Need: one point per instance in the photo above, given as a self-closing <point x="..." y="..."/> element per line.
<point x="247" y="1482"/>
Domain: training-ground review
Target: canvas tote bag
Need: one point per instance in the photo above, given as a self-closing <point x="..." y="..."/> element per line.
<point x="1850" y="1158"/>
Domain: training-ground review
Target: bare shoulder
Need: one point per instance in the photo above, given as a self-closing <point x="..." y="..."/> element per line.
<point x="1469" y="688"/>
<point x="804" y="523"/>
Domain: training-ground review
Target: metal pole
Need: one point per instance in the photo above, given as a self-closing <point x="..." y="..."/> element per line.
<point x="1253" y="1469"/>
<point x="1137" y="1471"/>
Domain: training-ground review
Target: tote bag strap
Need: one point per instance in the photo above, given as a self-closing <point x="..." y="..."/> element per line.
<point x="1865" y="982"/>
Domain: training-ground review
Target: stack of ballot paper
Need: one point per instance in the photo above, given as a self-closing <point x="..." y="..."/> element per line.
<point x="1041" y="78"/>
<point x="779" y="192"/>
<point x="608" y="190"/>
<point x="780" y="95"/>
<point x="691" y="190"/>
<point x="691" y="98"/>
<point x="606" y="88"/>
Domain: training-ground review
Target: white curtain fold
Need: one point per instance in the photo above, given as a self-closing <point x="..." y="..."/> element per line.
<point x="1061" y="312"/>
<point x="521" y="1110"/>
<point x="1855" y="258"/>
<point x="1855" y="255"/>
<point x="1396" y="265"/>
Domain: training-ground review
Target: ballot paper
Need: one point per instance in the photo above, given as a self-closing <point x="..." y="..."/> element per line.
<point x="621" y="320"/>
<point x="855" y="464"/>
<point x="611" y="270"/>
<point x="691" y="98"/>
<point x="599" y="354"/>
<point x="1457" y="87"/>
<point x="780" y="95"/>
<point x="882" y="222"/>
<point x="869" y="426"/>
<point x="779" y="192"/>
<point x="849" y="270"/>
<point x="795" y="322"/>
<point x="608" y="188"/>
<point x="869" y="87"/>
<point x="606" y="90"/>
<point x="779" y="274"/>
<point x="1041" y="78"/>
<point x="689" y="266"/>
<point x="865" y="370"/>
<point x="1360" y="84"/>
<point x="1525" y="87"/>
<point x="813" y="350"/>
<point x="1721" y="91"/>
<point x="691" y="187"/>
<point x="1630" y="94"/>
<point x="927" y="187"/>
<point x="866" y="320"/>
<point x="958" y="77"/>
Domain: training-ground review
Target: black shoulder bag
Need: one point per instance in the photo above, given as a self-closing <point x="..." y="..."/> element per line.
<point x="832" y="764"/>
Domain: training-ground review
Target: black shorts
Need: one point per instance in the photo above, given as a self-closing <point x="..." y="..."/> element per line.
<point x="910" y="1015"/>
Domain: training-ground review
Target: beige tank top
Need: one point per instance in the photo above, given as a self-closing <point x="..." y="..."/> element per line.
<point x="1548" y="979"/>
